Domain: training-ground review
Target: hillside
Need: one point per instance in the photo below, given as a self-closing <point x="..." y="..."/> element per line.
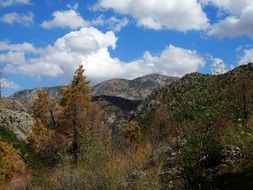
<point x="119" y="98"/>
<point x="14" y="117"/>
<point x="206" y="121"/>
<point x="136" y="89"/>
<point x="194" y="133"/>
<point x="198" y="98"/>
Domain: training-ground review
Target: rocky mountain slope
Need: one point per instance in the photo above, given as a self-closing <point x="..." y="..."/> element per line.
<point x="30" y="95"/>
<point x="119" y="98"/>
<point x="15" y="117"/>
<point x="136" y="89"/>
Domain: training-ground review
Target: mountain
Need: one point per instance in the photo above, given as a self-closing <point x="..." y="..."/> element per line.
<point x="30" y="95"/>
<point x="119" y="98"/>
<point x="136" y="89"/>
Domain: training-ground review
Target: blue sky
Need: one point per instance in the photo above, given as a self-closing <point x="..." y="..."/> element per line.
<point x="43" y="42"/>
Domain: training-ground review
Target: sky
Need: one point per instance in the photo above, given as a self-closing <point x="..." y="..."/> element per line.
<point x="43" y="42"/>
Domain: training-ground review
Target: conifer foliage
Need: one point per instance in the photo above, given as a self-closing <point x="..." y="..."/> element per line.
<point x="74" y="104"/>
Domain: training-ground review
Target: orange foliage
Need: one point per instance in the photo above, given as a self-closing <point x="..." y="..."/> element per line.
<point x="11" y="164"/>
<point x="45" y="109"/>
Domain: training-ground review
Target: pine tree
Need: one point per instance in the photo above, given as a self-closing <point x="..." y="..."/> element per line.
<point x="75" y="101"/>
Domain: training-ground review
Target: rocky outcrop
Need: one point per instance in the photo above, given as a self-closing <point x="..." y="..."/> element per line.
<point x="15" y="117"/>
<point x="136" y="89"/>
<point x="231" y="154"/>
<point x="30" y="95"/>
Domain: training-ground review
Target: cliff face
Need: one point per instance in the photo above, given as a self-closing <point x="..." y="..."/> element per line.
<point x="15" y="117"/>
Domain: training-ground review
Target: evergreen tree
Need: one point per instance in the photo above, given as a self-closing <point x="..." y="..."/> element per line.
<point x="75" y="101"/>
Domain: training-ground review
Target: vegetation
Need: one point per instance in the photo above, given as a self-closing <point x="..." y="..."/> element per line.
<point x="10" y="138"/>
<point x="197" y="133"/>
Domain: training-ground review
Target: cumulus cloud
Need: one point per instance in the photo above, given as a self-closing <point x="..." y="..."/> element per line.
<point x="112" y="23"/>
<point x="238" y="21"/>
<point x="247" y="57"/>
<point x="66" y="19"/>
<point x="91" y="47"/>
<point x="180" y="15"/>
<point x="20" y="18"/>
<point x="6" y="3"/>
<point x="23" y="47"/>
<point x="4" y="83"/>
<point x="231" y="6"/>
<point x="218" y="66"/>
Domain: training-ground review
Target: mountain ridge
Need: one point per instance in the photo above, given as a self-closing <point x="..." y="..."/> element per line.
<point x="135" y="89"/>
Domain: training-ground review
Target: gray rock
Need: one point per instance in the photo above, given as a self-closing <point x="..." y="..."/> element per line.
<point x="136" y="89"/>
<point x="15" y="117"/>
<point x="231" y="154"/>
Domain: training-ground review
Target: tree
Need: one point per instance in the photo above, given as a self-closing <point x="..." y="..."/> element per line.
<point x="132" y="135"/>
<point x="73" y="115"/>
<point x="45" y="143"/>
<point x="45" y="109"/>
<point x="95" y="122"/>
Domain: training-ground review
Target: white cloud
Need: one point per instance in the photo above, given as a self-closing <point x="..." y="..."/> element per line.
<point x="23" y="47"/>
<point x="66" y="19"/>
<point x="111" y="23"/>
<point x="4" y="83"/>
<point x="90" y="47"/>
<point x="20" y="18"/>
<point x="233" y="26"/>
<point x="231" y="6"/>
<point x="218" y="66"/>
<point x="6" y="3"/>
<point x="247" y="57"/>
<point x="180" y="15"/>
<point x="239" y="21"/>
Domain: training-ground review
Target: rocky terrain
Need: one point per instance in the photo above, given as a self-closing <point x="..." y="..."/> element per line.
<point x="15" y="117"/>
<point x="25" y="96"/>
<point x="119" y="98"/>
<point x="136" y="89"/>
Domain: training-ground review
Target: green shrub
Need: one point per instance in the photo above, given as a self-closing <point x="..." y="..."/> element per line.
<point x="10" y="138"/>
